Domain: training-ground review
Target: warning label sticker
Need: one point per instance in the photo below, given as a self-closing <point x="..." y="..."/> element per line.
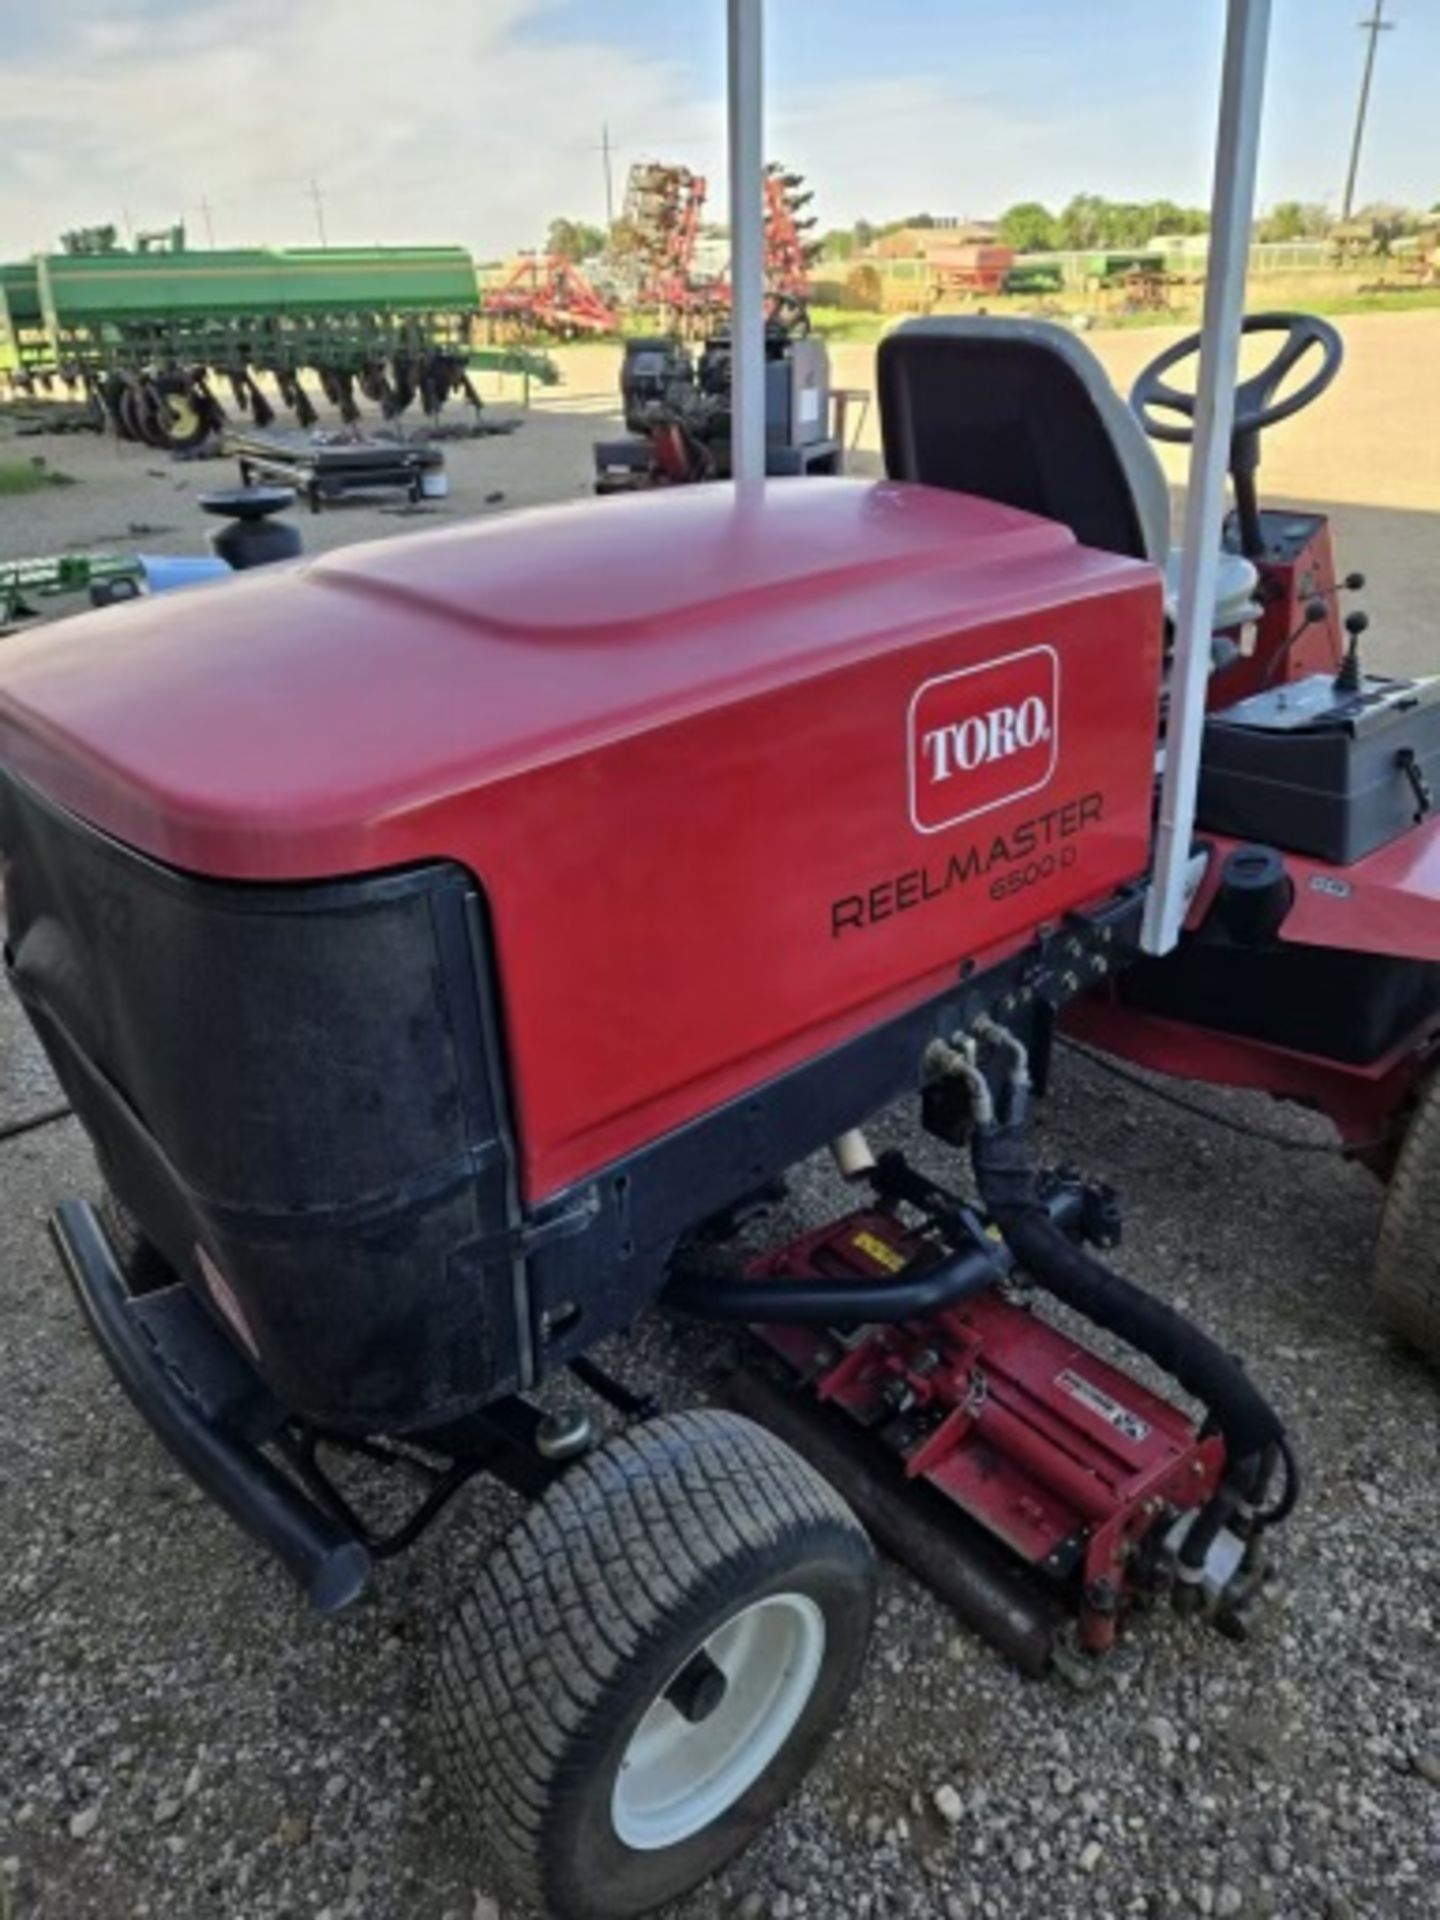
<point x="880" y="1251"/>
<point x="1088" y="1394"/>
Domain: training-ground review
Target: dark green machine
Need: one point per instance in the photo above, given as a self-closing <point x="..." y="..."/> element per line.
<point x="145" y="332"/>
<point x="25" y="348"/>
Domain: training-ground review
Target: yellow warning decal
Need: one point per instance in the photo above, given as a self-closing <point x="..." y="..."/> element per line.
<point x="880" y="1251"/>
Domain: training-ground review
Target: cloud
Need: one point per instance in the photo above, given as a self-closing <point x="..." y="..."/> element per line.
<point x="476" y="121"/>
<point x="435" y="121"/>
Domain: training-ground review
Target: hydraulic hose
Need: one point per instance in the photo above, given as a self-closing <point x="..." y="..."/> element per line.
<point x="1006" y="1177"/>
<point x="1289" y="1493"/>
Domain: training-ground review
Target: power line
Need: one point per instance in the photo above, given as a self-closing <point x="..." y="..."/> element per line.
<point x="319" y="199"/>
<point x="1374" y="26"/>
<point x="606" y="151"/>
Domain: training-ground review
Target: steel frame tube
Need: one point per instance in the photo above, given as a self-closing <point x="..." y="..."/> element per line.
<point x="1242" y="93"/>
<point x="745" y="83"/>
<point x="316" y="1549"/>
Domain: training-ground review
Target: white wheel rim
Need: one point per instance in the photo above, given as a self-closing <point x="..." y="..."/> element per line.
<point x="676" y="1778"/>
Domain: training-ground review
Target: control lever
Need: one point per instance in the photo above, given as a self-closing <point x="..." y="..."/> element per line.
<point x="1315" y="610"/>
<point x="1350" y="679"/>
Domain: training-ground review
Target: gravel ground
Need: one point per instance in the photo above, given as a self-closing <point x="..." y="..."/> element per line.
<point x="182" y="1739"/>
<point x="123" y="498"/>
<point x="179" y="1738"/>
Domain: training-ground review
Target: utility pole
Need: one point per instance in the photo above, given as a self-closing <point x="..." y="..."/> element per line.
<point x="205" y="211"/>
<point x="1374" y="26"/>
<point x="609" y="178"/>
<point x="319" y="200"/>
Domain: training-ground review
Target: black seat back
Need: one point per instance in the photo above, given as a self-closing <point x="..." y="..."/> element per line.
<point x="1021" y="413"/>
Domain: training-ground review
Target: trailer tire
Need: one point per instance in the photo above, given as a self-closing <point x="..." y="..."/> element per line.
<point x="694" y="1558"/>
<point x="183" y="413"/>
<point x="149" y="427"/>
<point x="1407" y="1258"/>
<point x="129" y="413"/>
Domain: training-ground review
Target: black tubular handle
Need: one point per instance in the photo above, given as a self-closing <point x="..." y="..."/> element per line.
<point x="327" y="1559"/>
<point x="796" y="1302"/>
<point x="711" y="1293"/>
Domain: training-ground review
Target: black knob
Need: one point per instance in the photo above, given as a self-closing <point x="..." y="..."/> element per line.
<point x="247" y="503"/>
<point x="1315" y="609"/>
<point x="1356" y="623"/>
<point x="1254" y="895"/>
<point x="1354" y="582"/>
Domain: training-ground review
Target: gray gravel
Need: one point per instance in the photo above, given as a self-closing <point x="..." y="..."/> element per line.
<point x="181" y="1739"/>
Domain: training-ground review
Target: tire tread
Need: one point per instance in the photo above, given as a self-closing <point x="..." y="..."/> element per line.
<point x="654" y="1518"/>
<point x="1407" y="1258"/>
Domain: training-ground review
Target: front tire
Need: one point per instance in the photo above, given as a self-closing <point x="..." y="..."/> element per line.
<point x="649" y="1662"/>
<point x="1407" y="1259"/>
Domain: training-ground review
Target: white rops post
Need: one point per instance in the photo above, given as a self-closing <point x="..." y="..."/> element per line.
<point x="1232" y="209"/>
<point x="745" y="87"/>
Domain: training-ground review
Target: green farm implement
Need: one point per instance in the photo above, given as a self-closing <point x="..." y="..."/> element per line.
<point x="1034" y="277"/>
<point x="23" y="581"/>
<point x="25" y="350"/>
<point x="149" y="335"/>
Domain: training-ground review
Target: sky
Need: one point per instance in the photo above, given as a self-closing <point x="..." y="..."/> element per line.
<point x="475" y="121"/>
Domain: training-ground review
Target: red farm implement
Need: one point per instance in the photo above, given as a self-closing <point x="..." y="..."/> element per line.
<point x="546" y="293"/>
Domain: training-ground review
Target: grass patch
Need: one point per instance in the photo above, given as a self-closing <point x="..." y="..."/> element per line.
<point x="845" y="323"/>
<point x="29" y="476"/>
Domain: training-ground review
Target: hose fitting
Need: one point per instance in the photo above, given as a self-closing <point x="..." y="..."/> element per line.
<point x="957" y="1062"/>
<point x="1016" y="1098"/>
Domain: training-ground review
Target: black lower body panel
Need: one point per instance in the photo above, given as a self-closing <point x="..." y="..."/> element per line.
<point x="297" y="1093"/>
<point x="1336" y="1004"/>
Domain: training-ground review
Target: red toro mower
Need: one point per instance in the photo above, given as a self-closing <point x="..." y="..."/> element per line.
<point x="447" y="944"/>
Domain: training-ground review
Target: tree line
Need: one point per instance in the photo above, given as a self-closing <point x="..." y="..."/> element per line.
<point x="1088" y="221"/>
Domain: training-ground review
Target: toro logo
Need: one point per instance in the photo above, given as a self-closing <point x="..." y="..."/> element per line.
<point x="983" y="736"/>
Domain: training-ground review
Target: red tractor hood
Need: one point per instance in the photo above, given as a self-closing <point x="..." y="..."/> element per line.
<point x="308" y="721"/>
<point x="739" y="777"/>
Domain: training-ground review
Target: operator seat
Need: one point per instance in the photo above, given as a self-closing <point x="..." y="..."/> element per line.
<point x="1022" y="412"/>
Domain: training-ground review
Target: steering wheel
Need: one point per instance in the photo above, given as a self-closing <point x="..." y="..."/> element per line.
<point x="1255" y="404"/>
<point x="787" y="317"/>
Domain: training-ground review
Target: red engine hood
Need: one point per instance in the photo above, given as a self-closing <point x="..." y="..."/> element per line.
<point x="738" y="779"/>
<point x="305" y="722"/>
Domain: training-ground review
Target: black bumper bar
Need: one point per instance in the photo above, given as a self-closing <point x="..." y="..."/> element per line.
<point x="182" y="1375"/>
